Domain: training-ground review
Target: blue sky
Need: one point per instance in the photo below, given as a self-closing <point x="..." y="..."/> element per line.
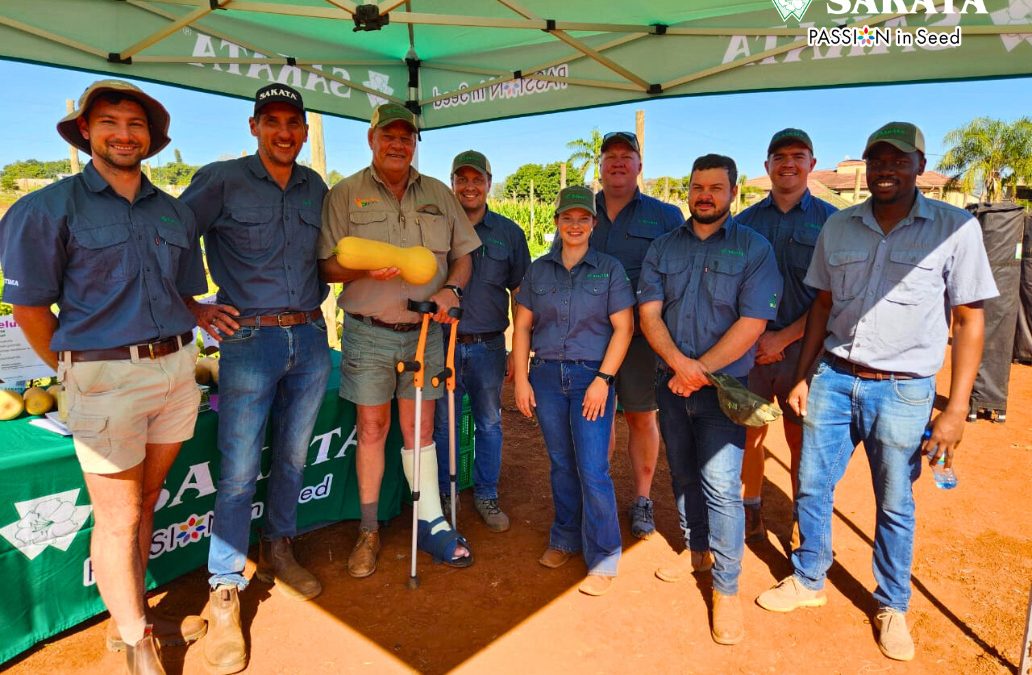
<point x="207" y="127"/>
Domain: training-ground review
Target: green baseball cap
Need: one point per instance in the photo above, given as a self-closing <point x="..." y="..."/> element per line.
<point x="575" y="197"/>
<point x="901" y="135"/>
<point x="157" y="116"/>
<point x="741" y="405"/>
<point x="472" y="159"/>
<point x="786" y="136"/>
<point x="392" y="112"/>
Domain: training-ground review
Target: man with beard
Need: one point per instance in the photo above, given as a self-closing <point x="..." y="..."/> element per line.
<point x="883" y="269"/>
<point x="628" y="222"/>
<point x="260" y="218"/>
<point x="480" y="362"/>
<point x="790" y="219"/>
<point x="706" y="293"/>
<point x="118" y="257"/>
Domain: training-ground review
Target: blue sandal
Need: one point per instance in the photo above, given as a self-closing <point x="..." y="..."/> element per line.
<point x="441" y="546"/>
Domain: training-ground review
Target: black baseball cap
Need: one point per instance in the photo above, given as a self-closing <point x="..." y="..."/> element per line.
<point x="278" y="93"/>
<point x="620" y="137"/>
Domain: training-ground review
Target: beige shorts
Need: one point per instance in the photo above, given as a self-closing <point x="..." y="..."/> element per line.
<point x="369" y="356"/>
<point x="115" y="408"/>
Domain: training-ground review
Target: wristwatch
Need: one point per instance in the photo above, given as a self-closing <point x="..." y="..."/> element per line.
<point x="457" y="290"/>
<point x="605" y="377"/>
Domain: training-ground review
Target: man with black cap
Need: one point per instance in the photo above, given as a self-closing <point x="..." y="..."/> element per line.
<point x="119" y="258"/>
<point x="392" y="202"/>
<point x="260" y="217"/>
<point x="480" y="363"/>
<point x="628" y="222"/>
<point x="790" y="219"/>
<point x="882" y="270"/>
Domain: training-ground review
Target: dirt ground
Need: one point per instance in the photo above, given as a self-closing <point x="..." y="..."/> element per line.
<point x="971" y="576"/>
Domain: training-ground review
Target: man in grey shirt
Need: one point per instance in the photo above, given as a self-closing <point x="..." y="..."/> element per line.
<point x="883" y="270"/>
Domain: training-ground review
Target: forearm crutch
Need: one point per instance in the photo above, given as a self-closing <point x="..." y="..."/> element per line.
<point x="449" y="375"/>
<point x="425" y="309"/>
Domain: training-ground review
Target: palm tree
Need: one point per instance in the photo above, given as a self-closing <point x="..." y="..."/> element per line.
<point x="587" y="152"/>
<point x="990" y="153"/>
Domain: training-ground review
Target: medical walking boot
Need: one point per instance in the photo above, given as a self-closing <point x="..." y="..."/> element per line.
<point x="224" y="648"/>
<point x="277" y="565"/>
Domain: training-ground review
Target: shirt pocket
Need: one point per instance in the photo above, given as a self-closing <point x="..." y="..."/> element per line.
<point x="799" y="252"/>
<point x="308" y="232"/>
<point x="911" y="277"/>
<point x="594" y="294"/>
<point x="849" y="273"/>
<point x="675" y="271"/>
<point x="370" y="225"/>
<point x="494" y="265"/>
<point x="173" y="241"/>
<point x="108" y="253"/>
<point x="249" y="228"/>
<point x="434" y="232"/>
<point x="724" y="278"/>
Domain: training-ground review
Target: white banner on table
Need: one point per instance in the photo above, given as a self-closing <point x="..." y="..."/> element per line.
<point x="17" y="359"/>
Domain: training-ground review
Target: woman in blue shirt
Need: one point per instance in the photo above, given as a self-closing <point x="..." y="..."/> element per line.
<point x="575" y="312"/>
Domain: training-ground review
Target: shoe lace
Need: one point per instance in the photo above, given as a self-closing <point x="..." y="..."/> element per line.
<point x="641" y="510"/>
<point x="490" y="505"/>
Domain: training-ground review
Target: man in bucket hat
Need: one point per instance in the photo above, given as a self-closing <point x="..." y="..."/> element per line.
<point x="883" y="270"/>
<point x="118" y="257"/>
<point x="706" y="293"/>
<point x="260" y="219"/>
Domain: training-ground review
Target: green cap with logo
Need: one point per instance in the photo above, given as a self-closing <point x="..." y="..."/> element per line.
<point x="575" y="197"/>
<point x="474" y="160"/>
<point x="901" y="135"/>
<point x="787" y="136"/>
<point x="392" y="112"/>
<point x="741" y="405"/>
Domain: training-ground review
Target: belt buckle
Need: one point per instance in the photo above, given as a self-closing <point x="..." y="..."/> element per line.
<point x="279" y="319"/>
<point x="150" y="350"/>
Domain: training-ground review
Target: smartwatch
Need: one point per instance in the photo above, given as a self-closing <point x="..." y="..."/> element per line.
<point x="605" y="377"/>
<point x="454" y="289"/>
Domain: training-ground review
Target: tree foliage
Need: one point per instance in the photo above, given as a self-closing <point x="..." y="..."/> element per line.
<point x="545" y="178"/>
<point x="988" y="154"/>
<point x="587" y="152"/>
<point x="176" y="172"/>
<point x="32" y="168"/>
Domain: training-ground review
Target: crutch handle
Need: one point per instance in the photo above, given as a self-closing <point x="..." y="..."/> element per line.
<point x="440" y="377"/>
<point x="409" y="367"/>
<point x="455" y="313"/>
<point x="422" y="306"/>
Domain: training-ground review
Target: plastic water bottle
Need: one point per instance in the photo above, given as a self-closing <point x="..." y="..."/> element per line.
<point x="945" y="478"/>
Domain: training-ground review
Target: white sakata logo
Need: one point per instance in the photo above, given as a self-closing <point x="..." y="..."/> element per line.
<point x="53" y="520"/>
<point x="787" y="8"/>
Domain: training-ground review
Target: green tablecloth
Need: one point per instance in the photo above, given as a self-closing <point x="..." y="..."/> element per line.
<point x="45" y="519"/>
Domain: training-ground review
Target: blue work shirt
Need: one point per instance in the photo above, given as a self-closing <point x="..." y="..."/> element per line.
<point x="891" y="293"/>
<point x="498" y="267"/>
<point x="117" y="270"/>
<point x="260" y="239"/>
<point x="572" y="307"/>
<point x="637" y="225"/>
<point x="793" y="236"/>
<point x="706" y="285"/>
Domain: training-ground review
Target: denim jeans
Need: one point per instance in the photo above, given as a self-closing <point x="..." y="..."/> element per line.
<point x="889" y="417"/>
<point x="480" y="369"/>
<point x="582" y="491"/>
<point x="704" y="451"/>
<point x="277" y="375"/>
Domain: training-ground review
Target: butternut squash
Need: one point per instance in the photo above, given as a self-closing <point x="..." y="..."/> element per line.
<point x="418" y="264"/>
<point x="11" y="404"/>
<point x="38" y="401"/>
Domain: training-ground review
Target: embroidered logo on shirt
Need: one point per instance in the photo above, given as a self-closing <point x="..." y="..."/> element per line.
<point x="170" y="221"/>
<point x="649" y="222"/>
<point x="773" y="301"/>
<point x="732" y="251"/>
<point x="598" y="275"/>
<point x="362" y="203"/>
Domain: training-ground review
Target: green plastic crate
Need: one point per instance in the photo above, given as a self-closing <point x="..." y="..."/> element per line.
<point x="466" y="453"/>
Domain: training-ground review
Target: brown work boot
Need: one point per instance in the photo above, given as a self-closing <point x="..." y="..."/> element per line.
<point x="224" y="648"/>
<point x="144" y="658"/>
<point x="553" y="558"/>
<point x="755" y="530"/>
<point x="362" y="561"/>
<point x="277" y="565"/>
<point x="728" y="628"/>
<point x="688" y="562"/>
<point x="168" y="631"/>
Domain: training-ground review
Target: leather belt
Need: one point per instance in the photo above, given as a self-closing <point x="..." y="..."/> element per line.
<point x="283" y="319"/>
<point x="152" y="350"/>
<point x="396" y="327"/>
<point x="476" y="338"/>
<point x="863" y="372"/>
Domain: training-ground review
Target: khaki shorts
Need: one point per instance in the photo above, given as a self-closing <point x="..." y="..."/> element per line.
<point x="636" y="379"/>
<point x="369" y="359"/>
<point x="115" y="408"/>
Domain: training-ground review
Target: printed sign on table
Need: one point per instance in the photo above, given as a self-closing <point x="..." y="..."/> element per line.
<point x="17" y="359"/>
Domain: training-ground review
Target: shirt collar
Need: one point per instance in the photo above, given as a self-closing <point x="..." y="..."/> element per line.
<point x="921" y="209"/>
<point x="413" y="176"/>
<point x="96" y="183"/>
<point x="254" y="163"/>
<point x="600" y="200"/>
<point x="803" y="203"/>
<point x="556" y="256"/>
<point x="724" y="231"/>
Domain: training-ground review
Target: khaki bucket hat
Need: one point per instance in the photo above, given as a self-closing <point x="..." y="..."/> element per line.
<point x="741" y="405"/>
<point x="157" y="116"/>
